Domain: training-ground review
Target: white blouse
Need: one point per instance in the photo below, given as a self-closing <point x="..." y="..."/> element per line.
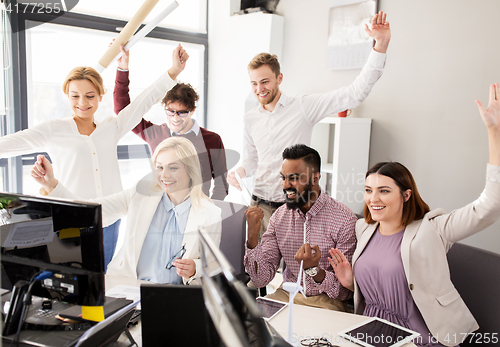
<point x="86" y="165"/>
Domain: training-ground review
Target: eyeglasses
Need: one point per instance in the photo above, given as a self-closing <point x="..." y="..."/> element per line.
<point x="179" y="254"/>
<point x="181" y="114"/>
<point x="316" y="342"/>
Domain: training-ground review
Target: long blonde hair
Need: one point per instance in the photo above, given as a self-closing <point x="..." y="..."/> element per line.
<point x="187" y="154"/>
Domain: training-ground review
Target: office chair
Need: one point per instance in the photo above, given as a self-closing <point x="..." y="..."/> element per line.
<point x="476" y="275"/>
<point x="233" y="238"/>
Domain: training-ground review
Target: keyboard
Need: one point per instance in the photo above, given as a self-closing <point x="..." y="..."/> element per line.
<point x="52" y="312"/>
<point x="38" y="316"/>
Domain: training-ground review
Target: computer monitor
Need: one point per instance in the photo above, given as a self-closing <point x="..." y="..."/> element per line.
<point x="232" y="308"/>
<point x="61" y="237"/>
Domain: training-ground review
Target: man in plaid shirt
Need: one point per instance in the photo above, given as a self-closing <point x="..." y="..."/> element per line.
<point x="310" y="224"/>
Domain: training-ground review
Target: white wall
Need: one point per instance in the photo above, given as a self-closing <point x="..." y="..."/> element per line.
<point x="443" y="55"/>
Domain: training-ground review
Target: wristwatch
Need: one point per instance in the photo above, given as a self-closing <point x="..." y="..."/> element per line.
<point x="312" y="271"/>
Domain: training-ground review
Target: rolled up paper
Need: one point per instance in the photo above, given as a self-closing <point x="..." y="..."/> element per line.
<point x="126" y="33"/>
<point x="147" y="28"/>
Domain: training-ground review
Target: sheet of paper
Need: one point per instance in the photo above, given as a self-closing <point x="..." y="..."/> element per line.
<point x="124" y="291"/>
<point x="244" y="190"/>
<point x="37" y="232"/>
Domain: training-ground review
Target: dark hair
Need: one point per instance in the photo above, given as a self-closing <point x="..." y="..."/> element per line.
<point x="309" y="155"/>
<point x="183" y="93"/>
<point x="413" y="209"/>
<point x="265" y="59"/>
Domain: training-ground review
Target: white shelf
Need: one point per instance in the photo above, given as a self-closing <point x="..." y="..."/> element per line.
<point x="345" y="120"/>
<point x="327" y="167"/>
<point x="344" y="146"/>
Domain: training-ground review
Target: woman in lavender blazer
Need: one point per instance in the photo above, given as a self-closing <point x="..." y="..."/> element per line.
<point x="401" y="273"/>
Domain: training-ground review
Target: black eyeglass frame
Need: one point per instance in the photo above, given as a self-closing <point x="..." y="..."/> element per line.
<point x="180" y="253"/>
<point x="316" y="342"/>
<point x="172" y="113"/>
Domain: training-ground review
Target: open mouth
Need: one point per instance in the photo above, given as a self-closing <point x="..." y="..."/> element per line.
<point x="291" y="194"/>
<point x="377" y="208"/>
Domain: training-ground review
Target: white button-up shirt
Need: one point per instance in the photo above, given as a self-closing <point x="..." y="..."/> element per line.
<point x="86" y="165"/>
<point x="267" y="134"/>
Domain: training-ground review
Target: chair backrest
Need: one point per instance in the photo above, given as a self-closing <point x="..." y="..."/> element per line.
<point x="476" y="275"/>
<point x="233" y="236"/>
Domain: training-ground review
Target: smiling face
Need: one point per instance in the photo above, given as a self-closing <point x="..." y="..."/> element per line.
<point x="84" y="98"/>
<point x="265" y="86"/>
<point x="172" y="174"/>
<point x="384" y="198"/>
<point x="299" y="183"/>
<point x="176" y="123"/>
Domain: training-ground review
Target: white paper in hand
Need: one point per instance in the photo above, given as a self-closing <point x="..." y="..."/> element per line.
<point x="244" y="190"/>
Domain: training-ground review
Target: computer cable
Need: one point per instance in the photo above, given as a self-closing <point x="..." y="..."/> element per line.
<point x="39" y="276"/>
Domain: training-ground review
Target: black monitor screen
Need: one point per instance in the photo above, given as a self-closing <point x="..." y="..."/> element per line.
<point x="232" y="308"/>
<point x="62" y="237"/>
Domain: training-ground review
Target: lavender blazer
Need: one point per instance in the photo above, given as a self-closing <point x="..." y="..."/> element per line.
<point x="423" y="251"/>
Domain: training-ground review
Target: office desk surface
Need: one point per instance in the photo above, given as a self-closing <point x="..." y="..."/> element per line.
<point x="316" y="322"/>
<point x="308" y="321"/>
<point x="135" y="330"/>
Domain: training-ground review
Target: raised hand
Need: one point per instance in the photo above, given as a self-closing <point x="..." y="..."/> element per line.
<point x="342" y="268"/>
<point x="380" y="32"/>
<point x="254" y="217"/>
<point x="179" y="58"/>
<point x="491" y="115"/>
<point x="231" y="178"/>
<point x="306" y="254"/>
<point x="311" y="257"/>
<point x="124" y="59"/>
<point x="43" y="173"/>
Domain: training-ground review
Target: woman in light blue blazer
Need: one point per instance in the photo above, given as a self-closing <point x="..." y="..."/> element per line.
<point x="163" y="212"/>
<point x="400" y="271"/>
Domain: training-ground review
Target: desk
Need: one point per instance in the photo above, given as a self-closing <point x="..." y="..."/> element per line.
<point x="135" y="330"/>
<point x="308" y="321"/>
<point x="316" y="322"/>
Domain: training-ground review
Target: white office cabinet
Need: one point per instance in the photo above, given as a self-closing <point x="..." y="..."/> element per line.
<point x="344" y="146"/>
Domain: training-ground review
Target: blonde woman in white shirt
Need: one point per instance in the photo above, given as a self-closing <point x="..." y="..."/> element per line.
<point x="163" y="212"/>
<point x="82" y="149"/>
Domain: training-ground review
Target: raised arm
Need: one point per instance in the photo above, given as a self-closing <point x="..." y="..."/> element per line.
<point x="114" y="206"/>
<point x="491" y="118"/>
<point x="121" y="97"/>
<point x="317" y="106"/>
<point x="261" y="259"/>
<point x="131" y="115"/>
<point x="485" y="210"/>
<point x="25" y="141"/>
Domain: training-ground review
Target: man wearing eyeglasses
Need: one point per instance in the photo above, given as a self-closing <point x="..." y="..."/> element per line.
<point x="179" y="104"/>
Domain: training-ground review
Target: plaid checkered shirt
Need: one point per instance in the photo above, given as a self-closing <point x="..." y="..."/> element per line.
<point x="328" y="223"/>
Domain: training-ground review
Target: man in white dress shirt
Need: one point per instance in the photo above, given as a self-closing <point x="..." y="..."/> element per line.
<point x="281" y="121"/>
